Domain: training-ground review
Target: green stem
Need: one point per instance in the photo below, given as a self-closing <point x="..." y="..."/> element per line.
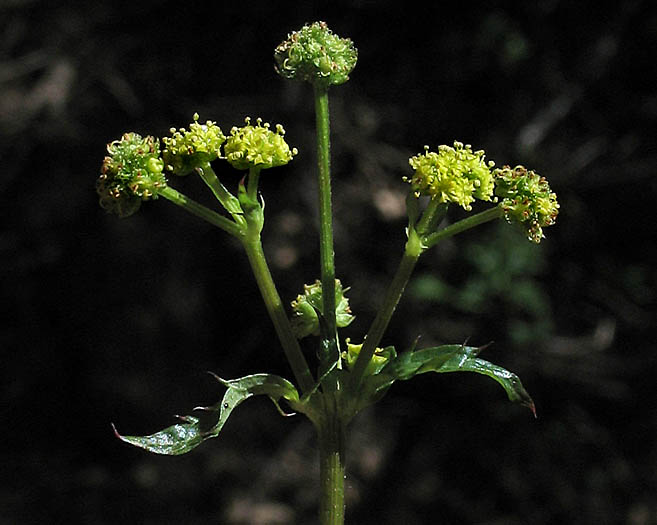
<point x="331" y="437"/>
<point x="201" y="211"/>
<point x="414" y="247"/>
<point x="462" y="225"/>
<point x="412" y="253"/>
<point x="226" y="198"/>
<point x="274" y="305"/>
<point x="252" y="184"/>
<point x="326" y="253"/>
<point x="431" y="217"/>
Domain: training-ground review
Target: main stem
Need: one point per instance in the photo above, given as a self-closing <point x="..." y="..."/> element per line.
<point x="331" y="431"/>
<point x="326" y="253"/>
<point x="331" y="436"/>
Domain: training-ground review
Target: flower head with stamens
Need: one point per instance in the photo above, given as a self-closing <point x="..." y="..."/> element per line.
<point x="187" y="150"/>
<point x="453" y="174"/>
<point x="526" y="199"/>
<point x="130" y="174"/>
<point x="316" y="55"/>
<point x="257" y="146"/>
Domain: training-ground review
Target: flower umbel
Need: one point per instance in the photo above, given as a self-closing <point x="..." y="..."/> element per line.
<point x="315" y="54"/>
<point x="527" y="199"/>
<point x="186" y="150"/>
<point x="305" y="307"/>
<point x="257" y="146"/>
<point x="132" y="172"/>
<point x="455" y="174"/>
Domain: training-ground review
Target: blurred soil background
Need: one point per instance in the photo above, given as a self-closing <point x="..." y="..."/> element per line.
<point x="107" y="320"/>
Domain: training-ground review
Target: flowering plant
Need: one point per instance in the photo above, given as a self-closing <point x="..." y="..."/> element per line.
<point x="349" y="376"/>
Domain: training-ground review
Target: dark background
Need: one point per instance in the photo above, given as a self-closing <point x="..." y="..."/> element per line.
<point x="108" y="320"/>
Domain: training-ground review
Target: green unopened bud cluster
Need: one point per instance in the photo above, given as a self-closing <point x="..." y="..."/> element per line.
<point x="257" y="146"/>
<point x="131" y="173"/>
<point x="315" y="54"/>
<point x="187" y="150"/>
<point x="379" y="359"/>
<point x="305" y="307"/>
<point x="527" y="199"/>
<point x="453" y="174"/>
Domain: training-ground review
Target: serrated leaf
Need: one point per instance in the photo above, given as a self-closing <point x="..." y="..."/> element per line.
<point x="189" y="433"/>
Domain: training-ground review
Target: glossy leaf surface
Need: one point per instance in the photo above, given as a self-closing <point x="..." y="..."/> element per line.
<point x="190" y="432"/>
<point x="440" y="359"/>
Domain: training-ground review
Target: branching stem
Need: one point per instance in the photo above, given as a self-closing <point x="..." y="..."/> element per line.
<point x="201" y="211"/>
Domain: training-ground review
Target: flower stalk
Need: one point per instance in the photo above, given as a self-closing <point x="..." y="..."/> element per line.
<point x="253" y="246"/>
<point x="202" y="212"/>
<point x="326" y="251"/>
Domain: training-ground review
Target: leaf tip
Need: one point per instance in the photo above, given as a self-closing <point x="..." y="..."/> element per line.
<point x="222" y="381"/>
<point x="116" y="432"/>
<point x="531" y="406"/>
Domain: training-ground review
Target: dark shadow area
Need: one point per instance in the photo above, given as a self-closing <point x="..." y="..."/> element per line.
<point x="108" y="320"/>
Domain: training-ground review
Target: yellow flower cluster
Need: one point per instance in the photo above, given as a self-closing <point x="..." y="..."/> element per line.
<point x="186" y="150"/>
<point x="453" y="174"/>
<point x="257" y="146"/>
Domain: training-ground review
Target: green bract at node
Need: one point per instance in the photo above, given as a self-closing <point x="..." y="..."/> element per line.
<point x="527" y="199"/>
<point x="131" y="173"/>
<point x="306" y="306"/>
<point x="316" y="55"/>
<point x="455" y="174"/>
<point x="257" y="147"/>
<point x="187" y="150"/>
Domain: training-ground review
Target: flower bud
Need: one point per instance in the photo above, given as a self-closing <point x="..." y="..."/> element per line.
<point x="455" y="174"/>
<point x="316" y="55"/>
<point x="526" y="199"/>
<point x="305" y="307"/>
<point x="379" y="359"/>
<point x="131" y="173"/>
<point x="257" y="146"/>
<point x="187" y="150"/>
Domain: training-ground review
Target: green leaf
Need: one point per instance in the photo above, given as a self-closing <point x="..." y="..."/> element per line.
<point x="509" y="381"/>
<point x="455" y="358"/>
<point x="409" y="364"/>
<point x="171" y="441"/>
<point x="190" y="432"/>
